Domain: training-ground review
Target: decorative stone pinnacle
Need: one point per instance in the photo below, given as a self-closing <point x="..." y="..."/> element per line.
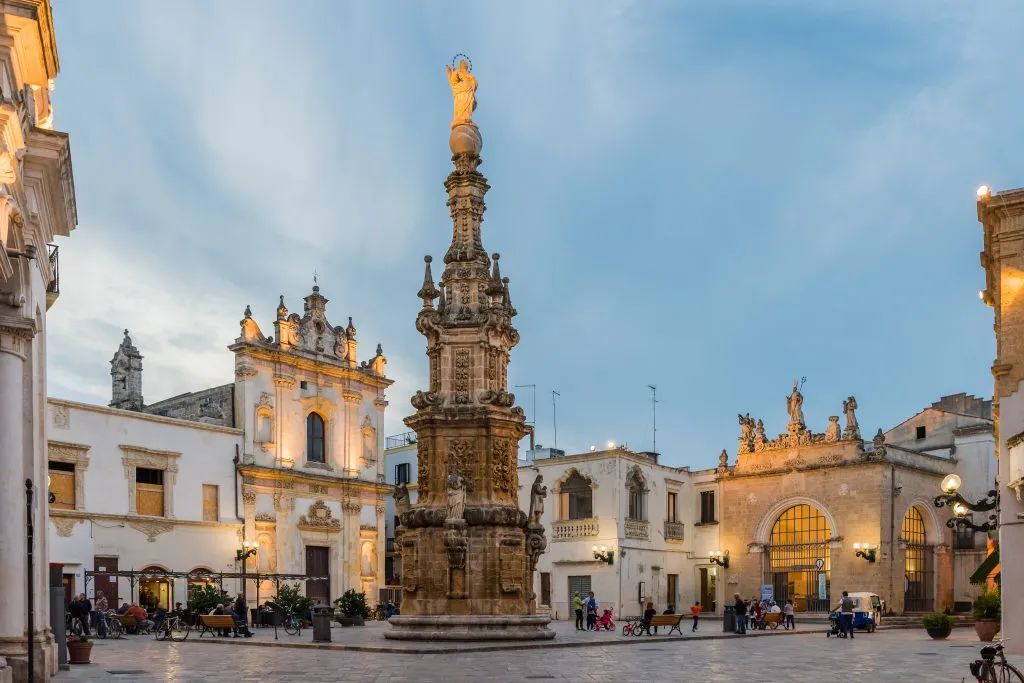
<point x="248" y="311"/>
<point x="351" y="329"/>
<point x="428" y="292"/>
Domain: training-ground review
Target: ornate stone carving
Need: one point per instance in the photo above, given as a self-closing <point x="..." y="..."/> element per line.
<point x="61" y="417"/>
<point x="504" y="467"/>
<point x="538" y="492"/>
<point x="319" y="516"/>
<point x="266" y="400"/>
<point x="510" y="553"/>
<point x="248" y="495"/>
<point x="64" y="525"/>
<point x="401" y="496"/>
<point x="462" y="370"/>
<point x="458" y="457"/>
<point x="746" y="434"/>
<point x="318" y="489"/>
<point x="456" y="544"/>
<point x="423" y="468"/>
<point x="410" y="565"/>
<point x="852" y="431"/>
<point x="352" y="506"/>
<point x="151" y="528"/>
<point x="455" y="488"/>
<point x="832" y="432"/>
<point x="794" y="405"/>
<point x="265" y="517"/>
<point x="723" y="461"/>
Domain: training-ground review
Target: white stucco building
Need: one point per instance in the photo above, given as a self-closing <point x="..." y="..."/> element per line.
<point x="286" y="456"/>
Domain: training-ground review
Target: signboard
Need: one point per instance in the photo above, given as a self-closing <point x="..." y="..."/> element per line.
<point x="767" y="592"/>
<point x="822" y="588"/>
<point x="819" y="563"/>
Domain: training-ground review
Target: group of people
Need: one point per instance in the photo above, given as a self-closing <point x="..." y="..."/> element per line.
<point x="579" y="605"/>
<point x="236" y="611"/>
<point x="751" y="613"/>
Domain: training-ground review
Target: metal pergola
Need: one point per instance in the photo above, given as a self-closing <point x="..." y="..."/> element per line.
<point x="134" y="576"/>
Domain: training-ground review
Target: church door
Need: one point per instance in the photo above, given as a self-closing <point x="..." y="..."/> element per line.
<point x="798" y="559"/>
<point x="318" y="563"/>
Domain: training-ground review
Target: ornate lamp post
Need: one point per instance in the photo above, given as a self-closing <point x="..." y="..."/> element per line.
<point x="961" y="506"/>
<point x="248" y="549"/>
<point x="868" y="552"/>
<point x="604" y="554"/>
<point x="720" y="558"/>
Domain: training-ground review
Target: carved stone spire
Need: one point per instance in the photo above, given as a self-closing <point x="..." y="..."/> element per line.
<point x="428" y="292"/>
<point x="126" y="376"/>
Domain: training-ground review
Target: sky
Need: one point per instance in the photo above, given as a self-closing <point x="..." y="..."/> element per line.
<point x="711" y="197"/>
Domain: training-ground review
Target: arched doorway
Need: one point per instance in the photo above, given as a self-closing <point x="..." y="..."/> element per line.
<point x="917" y="563"/>
<point x="798" y="559"/>
<point x="198" y="579"/>
<point x="155" y="588"/>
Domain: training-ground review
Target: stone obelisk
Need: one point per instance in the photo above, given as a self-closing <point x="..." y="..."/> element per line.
<point x="468" y="552"/>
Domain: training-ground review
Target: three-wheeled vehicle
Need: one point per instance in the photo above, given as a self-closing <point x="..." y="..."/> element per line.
<point x="867" y="614"/>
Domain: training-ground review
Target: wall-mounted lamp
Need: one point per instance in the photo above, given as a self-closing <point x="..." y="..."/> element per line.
<point x="248" y="549"/>
<point x="868" y="552"/>
<point x="719" y="558"/>
<point x="604" y="554"/>
<point x="950" y="496"/>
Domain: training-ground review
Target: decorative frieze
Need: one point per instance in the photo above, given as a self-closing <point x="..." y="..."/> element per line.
<point x="319" y="516"/>
<point x="637" y="529"/>
<point x="674" y="531"/>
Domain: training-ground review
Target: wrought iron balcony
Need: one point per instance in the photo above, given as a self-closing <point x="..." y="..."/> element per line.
<point x="399" y="440"/>
<point x="574" y="529"/>
<point x="638" y="529"/>
<point x="674" y="531"/>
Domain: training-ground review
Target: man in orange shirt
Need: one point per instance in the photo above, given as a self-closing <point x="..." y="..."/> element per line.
<point x="140" y="614"/>
<point x="695" y="611"/>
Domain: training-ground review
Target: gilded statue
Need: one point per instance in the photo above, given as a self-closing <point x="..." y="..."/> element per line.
<point x="794" y="403"/>
<point x="463" y="85"/>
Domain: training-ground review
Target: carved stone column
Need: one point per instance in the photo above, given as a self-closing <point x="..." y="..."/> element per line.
<point x="353" y="434"/>
<point x="381" y="575"/>
<point x="284" y="510"/>
<point x="350" y="512"/>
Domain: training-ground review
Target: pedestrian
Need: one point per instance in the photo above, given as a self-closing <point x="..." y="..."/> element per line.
<point x="591" y="612"/>
<point x="648" y="615"/>
<point x="695" y="611"/>
<point x="741" y="614"/>
<point x="790" y="620"/>
<point x="577" y="606"/>
<point x="846" y="606"/>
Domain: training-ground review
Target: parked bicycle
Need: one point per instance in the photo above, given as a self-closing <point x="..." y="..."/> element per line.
<point x="634" y="626"/>
<point x="292" y="625"/>
<point x="72" y="625"/>
<point x="114" y="628"/>
<point x="993" y="667"/>
<point x="173" y="627"/>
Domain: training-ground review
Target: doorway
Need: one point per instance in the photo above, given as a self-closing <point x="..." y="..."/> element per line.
<point x="708" y="587"/>
<point x="318" y="563"/>
<point x="672" y="596"/>
<point x="105" y="584"/>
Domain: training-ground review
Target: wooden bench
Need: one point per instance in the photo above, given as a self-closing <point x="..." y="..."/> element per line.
<point x="128" y="622"/>
<point x="210" y="622"/>
<point x="771" y="620"/>
<point x="671" y="620"/>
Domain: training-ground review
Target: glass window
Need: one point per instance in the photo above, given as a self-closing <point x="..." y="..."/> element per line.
<point x="637" y="488"/>
<point x="402" y="473"/>
<point x="707" y="507"/>
<point x="149" y="491"/>
<point x="671" y="505"/>
<point x="315" y="438"/>
<point x="577" y="498"/>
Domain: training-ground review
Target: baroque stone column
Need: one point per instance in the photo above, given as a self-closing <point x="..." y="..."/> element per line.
<point x="466" y="567"/>
<point x="350" y="514"/>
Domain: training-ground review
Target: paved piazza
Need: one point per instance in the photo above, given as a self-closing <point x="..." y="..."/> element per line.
<point x="905" y="655"/>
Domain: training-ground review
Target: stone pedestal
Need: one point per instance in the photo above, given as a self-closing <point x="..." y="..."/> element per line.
<point x="470" y="627"/>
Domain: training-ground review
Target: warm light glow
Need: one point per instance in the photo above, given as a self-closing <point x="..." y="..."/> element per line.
<point x="960" y="510"/>
<point x="595" y="550"/>
<point x="593" y="448"/>
<point x="981" y="294"/>
<point x="611" y="444"/>
<point x="951" y="484"/>
<point x="856" y="546"/>
<point x="983" y="191"/>
<point x="604" y="548"/>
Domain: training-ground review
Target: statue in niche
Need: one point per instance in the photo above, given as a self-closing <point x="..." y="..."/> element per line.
<point x="794" y="404"/>
<point x="852" y="430"/>
<point x="401" y="496"/>
<point x="537" y="494"/>
<point x="463" y="85"/>
<point x="456" y="489"/>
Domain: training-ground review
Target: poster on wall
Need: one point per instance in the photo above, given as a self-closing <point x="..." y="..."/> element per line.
<point x="767" y="592"/>
<point x="822" y="592"/>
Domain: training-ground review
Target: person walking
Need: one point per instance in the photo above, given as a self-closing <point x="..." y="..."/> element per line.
<point x="695" y="611"/>
<point x="741" y="614"/>
<point x="591" y="612"/>
<point x="790" y="621"/>
<point x="577" y="606"/>
<point x="846" y="606"/>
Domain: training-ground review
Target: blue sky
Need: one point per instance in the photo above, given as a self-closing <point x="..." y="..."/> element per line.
<point x="712" y="197"/>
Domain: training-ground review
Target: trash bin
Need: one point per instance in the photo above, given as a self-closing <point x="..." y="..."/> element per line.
<point x="322" y="624"/>
<point x="729" y="619"/>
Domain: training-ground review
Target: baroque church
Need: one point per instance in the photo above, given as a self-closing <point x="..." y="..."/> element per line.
<point x="285" y="459"/>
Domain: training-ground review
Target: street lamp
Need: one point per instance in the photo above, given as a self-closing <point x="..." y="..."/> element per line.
<point x="604" y="554"/>
<point x="868" y="552"/>
<point x="719" y="558"/>
<point x="248" y="549"/>
<point x="961" y="506"/>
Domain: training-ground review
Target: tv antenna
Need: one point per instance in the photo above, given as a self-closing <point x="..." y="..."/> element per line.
<point x="654" y="416"/>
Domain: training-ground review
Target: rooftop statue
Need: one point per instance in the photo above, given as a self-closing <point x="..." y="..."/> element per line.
<point x="463" y="85"/>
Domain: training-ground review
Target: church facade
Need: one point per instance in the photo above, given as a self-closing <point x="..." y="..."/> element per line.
<point x="285" y="457"/>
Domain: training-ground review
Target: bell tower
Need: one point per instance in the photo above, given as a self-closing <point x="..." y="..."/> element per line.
<point x="126" y="376"/>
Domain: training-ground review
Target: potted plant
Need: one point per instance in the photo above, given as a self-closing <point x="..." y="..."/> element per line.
<point x="292" y="601"/>
<point x="354" y="608"/>
<point x="938" y="626"/>
<point x="79" y="649"/>
<point x="987" y="611"/>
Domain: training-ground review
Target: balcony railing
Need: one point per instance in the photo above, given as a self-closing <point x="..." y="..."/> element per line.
<point x="638" y="529"/>
<point x="399" y="440"/>
<point x="53" y="289"/>
<point x="574" y="529"/>
<point x="673" y="531"/>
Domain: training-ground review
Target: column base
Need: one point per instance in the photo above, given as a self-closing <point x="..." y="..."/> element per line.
<point x="470" y="627"/>
<point x="17" y="659"/>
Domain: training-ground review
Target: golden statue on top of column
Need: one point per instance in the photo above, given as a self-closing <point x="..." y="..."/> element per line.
<point x="463" y="85"/>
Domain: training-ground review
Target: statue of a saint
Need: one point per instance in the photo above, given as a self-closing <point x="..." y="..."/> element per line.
<point x="401" y="495"/>
<point x="463" y="86"/>
<point x="456" y="488"/>
<point x="852" y="430"/>
<point x="794" y="403"/>
<point x="746" y="427"/>
<point x="832" y="431"/>
<point x="537" y="495"/>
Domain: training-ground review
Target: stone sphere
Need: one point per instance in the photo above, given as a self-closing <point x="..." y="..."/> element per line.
<point x="465" y="139"/>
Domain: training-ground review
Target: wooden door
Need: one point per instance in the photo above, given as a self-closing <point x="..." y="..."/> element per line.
<point x="545" y="588"/>
<point x="673" y="593"/>
<point x="318" y="563"/>
<point x="104" y="583"/>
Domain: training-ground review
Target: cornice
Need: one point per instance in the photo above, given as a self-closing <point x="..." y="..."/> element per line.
<point x="322" y="366"/>
<point x="86" y="515"/>
<point x="128" y="448"/>
<point x="260" y="473"/>
<point x="104" y="410"/>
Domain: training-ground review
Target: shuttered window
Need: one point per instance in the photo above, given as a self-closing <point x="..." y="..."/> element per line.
<point x="149" y="492"/>
<point x="211" y="503"/>
<point x="62" y="485"/>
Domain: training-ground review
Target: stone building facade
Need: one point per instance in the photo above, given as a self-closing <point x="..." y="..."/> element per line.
<point x="37" y="205"/>
<point x="293" y="462"/>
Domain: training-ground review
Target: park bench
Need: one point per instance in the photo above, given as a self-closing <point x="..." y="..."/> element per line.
<point x="128" y="622"/>
<point x="771" y="620"/>
<point x="670" y="620"/>
<point x="208" y="623"/>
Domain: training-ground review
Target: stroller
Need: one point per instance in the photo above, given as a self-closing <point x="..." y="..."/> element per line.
<point x="605" y="622"/>
<point x="835" y="626"/>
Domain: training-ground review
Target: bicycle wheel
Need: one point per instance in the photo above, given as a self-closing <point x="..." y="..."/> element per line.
<point x="179" y="630"/>
<point x="291" y="627"/>
<point x="1005" y="672"/>
<point x="627" y="629"/>
<point x="114" y="629"/>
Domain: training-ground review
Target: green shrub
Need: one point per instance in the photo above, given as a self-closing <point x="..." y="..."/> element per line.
<point x="204" y="598"/>
<point x="988" y="605"/>
<point x="353" y="604"/>
<point x="291" y="599"/>
<point x="941" y="621"/>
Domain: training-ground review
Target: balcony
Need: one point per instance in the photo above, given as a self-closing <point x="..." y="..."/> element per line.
<point x="574" y="529"/>
<point x="53" y="289"/>
<point x="673" y="531"/>
<point x="638" y="529"/>
<point x="399" y="440"/>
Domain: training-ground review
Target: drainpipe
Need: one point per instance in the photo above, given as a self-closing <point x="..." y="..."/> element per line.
<point x="236" y="461"/>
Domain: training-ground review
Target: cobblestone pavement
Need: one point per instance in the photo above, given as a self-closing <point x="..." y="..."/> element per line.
<point x="896" y="655"/>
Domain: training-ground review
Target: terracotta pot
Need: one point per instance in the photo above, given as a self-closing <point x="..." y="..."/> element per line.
<point x="986" y="629"/>
<point x="79" y="652"/>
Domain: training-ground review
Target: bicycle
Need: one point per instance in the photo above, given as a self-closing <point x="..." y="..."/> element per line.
<point x="114" y="628"/>
<point x="72" y="625"/>
<point x="173" y="627"/>
<point x="292" y="625"/>
<point x="993" y="667"/>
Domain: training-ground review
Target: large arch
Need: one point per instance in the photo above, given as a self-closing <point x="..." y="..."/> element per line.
<point x="935" y="527"/>
<point x="762" y="535"/>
